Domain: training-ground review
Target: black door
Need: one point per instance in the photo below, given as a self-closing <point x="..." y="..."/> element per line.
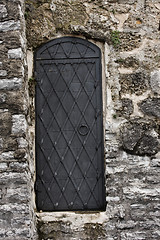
<point x="69" y="126"/>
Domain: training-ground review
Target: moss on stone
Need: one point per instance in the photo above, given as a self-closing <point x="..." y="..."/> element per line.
<point x="44" y="20"/>
<point x="69" y="13"/>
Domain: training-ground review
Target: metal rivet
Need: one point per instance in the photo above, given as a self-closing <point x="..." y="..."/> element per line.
<point x="42" y="172"/>
<point x="71" y="203"/>
<point x="55" y="173"/>
<point x="49" y="189"/>
<point x="48" y="158"/>
<point x="56" y="204"/>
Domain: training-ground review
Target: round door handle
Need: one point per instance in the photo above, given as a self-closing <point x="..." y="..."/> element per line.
<point x="83" y="129"/>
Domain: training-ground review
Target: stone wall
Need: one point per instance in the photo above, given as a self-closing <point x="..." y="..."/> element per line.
<point x="128" y="32"/>
<point x="16" y="211"/>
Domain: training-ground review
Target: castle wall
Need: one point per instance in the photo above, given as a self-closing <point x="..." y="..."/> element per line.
<point x="16" y="208"/>
<point x="128" y="34"/>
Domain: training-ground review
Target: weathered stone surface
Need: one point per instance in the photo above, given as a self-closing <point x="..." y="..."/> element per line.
<point x="20" y="153"/>
<point x="128" y="33"/>
<point x="15" y="179"/>
<point x="148" y="145"/>
<point x="9" y="26"/>
<point x="155" y="81"/>
<point x="15" y="53"/>
<point x="19" y="124"/>
<point x="151" y="107"/>
<point x="72" y="225"/>
<point x="12" y="39"/>
<point x="13" y="100"/>
<point x="10" y="84"/>
<point x="3" y="166"/>
<point x="133" y="83"/>
<point x="137" y="140"/>
<point x="129" y="62"/>
<point x="18" y="166"/>
<point x="22" y="143"/>
<point x="3" y="11"/>
<point x="7" y="155"/>
<point x="127" y="107"/>
<point x="14" y="67"/>
<point x="3" y="73"/>
<point x="5" y="123"/>
<point x="3" y="97"/>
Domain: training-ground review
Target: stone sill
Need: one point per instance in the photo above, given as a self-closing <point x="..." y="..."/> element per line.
<point x="76" y="218"/>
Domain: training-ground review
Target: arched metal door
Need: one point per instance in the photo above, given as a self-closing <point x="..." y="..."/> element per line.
<point x="69" y="126"/>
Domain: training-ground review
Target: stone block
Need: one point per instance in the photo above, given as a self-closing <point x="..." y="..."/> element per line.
<point x="151" y="107"/>
<point x="18" y="166"/>
<point x="9" y="84"/>
<point x="14" y="178"/>
<point x="133" y="83"/>
<point x="11" y="39"/>
<point x="1" y="143"/>
<point x="7" y="155"/>
<point x="12" y="100"/>
<point x="3" y="97"/>
<point x="3" y="11"/>
<point x="3" y="73"/>
<point x="127" y="107"/>
<point x="10" y="25"/>
<point x="155" y="81"/>
<point x="16" y="194"/>
<point x="5" y="123"/>
<point x="9" y="144"/>
<point x="15" y="53"/>
<point x="20" y="153"/>
<point x="19" y="124"/>
<point x="22" y="143"/>
<point x="137" y="139"/>
<point x="14" y="68"/>
<point x="3" y="166"/>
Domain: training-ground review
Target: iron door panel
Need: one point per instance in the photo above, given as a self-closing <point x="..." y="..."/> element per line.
<point x="69" y="135"/>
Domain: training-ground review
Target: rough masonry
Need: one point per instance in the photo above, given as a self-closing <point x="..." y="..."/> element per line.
<point x="128" y="33"/>
<point x="16" y="211"/>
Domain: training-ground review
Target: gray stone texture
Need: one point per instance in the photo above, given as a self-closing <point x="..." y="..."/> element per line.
<point x="15" y="53"/>
<point x="133" y="83"/>
<point x="137" y="138"/>
<point x="16" y="218"/>
<point x="3" y="11"/>
<point x="151" y="107"/>
<point x="9" y="26"/>
<point x="10" y="84"/>
<point x="127" y="107"/>
<point x="155" y="81"/>
<point x="128" y="33"/>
